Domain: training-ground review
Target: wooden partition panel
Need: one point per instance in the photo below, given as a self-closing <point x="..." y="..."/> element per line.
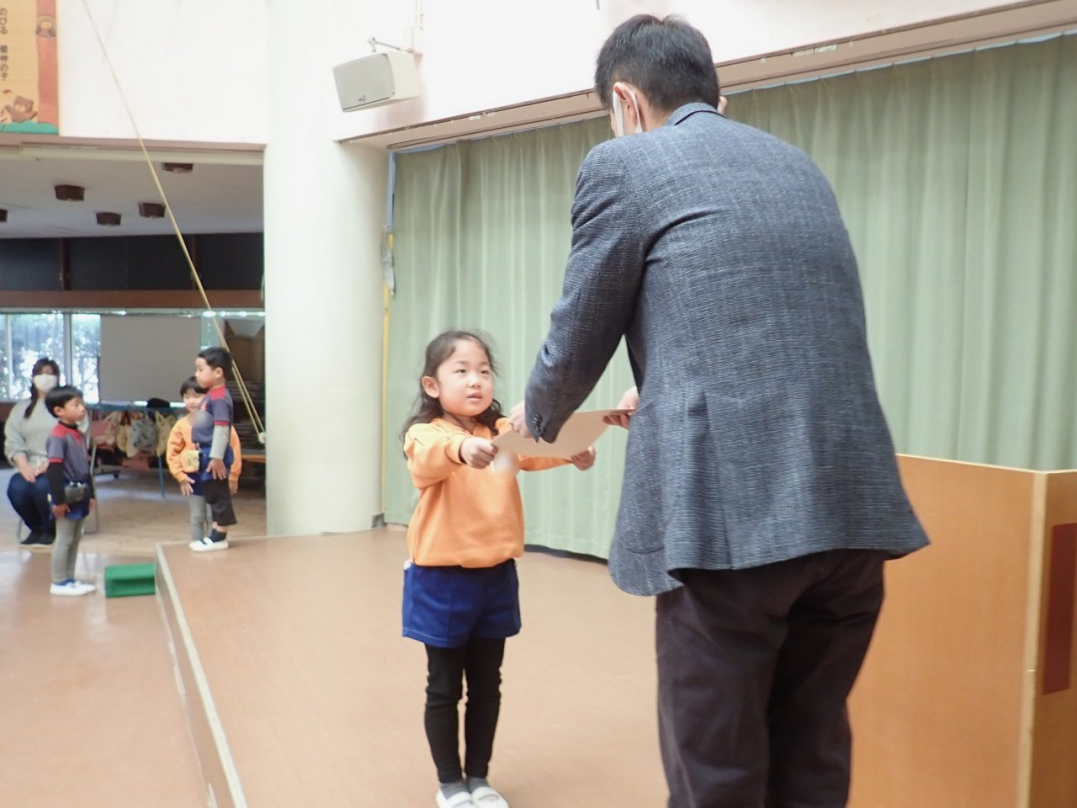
<point x="1054" y="753"/>
<point x="938" y="708"/>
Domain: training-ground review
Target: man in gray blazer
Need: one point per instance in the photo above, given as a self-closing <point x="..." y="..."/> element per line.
<point x="761" y="494"/>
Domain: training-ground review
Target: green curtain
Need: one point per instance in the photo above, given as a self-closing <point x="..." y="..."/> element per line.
<point x="957" y="179"/>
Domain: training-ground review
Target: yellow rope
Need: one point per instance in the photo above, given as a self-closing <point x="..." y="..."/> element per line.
<point x="243" y="391"/>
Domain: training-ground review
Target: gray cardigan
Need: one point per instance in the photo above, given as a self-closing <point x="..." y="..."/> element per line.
<point x="27" y="436"/>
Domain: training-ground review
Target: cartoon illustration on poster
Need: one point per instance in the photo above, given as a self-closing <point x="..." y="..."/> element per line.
<point x="29" y="89"/>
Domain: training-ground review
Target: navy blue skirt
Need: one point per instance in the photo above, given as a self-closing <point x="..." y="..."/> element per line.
<point x="447" y="606"/>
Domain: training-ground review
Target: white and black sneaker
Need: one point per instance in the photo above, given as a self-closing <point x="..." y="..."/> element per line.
<point x="207" y="545"/>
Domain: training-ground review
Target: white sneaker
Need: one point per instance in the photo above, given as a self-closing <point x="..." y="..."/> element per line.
<point x="207" y="545"/>
<point x="70" y="588"/>
<point x="87" y="586"/>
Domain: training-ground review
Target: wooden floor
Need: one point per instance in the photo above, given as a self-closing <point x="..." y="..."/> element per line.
<point x="319" y="699"/>
<point x="134" y="517"/>
<point x="89" y="710"/>
<point x="90" y="713"/>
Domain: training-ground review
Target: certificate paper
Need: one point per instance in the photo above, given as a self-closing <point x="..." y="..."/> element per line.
<point x="577" y="435"/>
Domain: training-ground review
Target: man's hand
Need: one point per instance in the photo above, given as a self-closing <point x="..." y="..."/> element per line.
<point x="186" y="488"/>
<point x="629" y="401"/>
<point x="477" y="452"/>
<point x="518" y="419"/>
<point x="723" y="102"/>
<point x="60" y="511"/>
<point x="584" y="460"/>
<point x="217" y="469"/>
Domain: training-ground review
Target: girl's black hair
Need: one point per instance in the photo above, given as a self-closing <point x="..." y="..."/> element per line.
<point x="191" y="386"/>
<point x="440" y="349"/>
<point x="39" y="365"/>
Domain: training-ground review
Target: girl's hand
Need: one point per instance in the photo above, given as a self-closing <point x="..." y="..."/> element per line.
<point x="584" y="460"/>
<point x="60" y="511"/>
<point x="477" y="452"/>
<point x="186" y="488"/>
<point x="233" y="485"/>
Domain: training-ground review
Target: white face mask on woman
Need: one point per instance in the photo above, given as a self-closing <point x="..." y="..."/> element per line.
<point x="44" y="382"/>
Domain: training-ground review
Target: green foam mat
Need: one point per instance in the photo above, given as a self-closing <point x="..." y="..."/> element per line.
<point x="127" y="580"/>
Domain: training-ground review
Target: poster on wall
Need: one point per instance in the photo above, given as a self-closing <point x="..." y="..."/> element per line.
<point x="29" y="89"/>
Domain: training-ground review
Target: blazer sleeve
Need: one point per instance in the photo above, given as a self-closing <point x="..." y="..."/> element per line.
<point x="598" y="302"/>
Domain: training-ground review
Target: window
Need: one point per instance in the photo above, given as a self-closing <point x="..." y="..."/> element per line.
<point x="25" y="338"/>
<point x="86" y="353"/>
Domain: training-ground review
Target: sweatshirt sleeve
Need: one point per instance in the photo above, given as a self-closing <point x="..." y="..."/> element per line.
<point x="221" y="436"/>
<point x="14" y="439"/>
<point x="237" y="455"/>
<point x="541" y="463"/>
<point x="433" y="454"/>
<point x="176" y="444"/>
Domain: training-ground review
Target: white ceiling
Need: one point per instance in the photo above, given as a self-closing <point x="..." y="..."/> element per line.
<point x="219" y="196"/>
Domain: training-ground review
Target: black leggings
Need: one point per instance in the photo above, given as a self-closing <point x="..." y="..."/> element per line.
<point x="480" y="660"/>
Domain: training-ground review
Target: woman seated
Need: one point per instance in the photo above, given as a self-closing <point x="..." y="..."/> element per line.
<point x="28" y="426"/>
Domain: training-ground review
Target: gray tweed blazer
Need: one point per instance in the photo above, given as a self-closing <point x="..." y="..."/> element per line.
<point x="719" y="253"/>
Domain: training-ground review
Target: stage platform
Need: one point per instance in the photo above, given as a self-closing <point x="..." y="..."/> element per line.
<point x="300" y="690"/>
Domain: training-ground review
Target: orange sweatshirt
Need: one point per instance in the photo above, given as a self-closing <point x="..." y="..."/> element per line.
<point x="179" y="441"/>
<point x="466" y="517"/>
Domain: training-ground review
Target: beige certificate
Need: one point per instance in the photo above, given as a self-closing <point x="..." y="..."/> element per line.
<point x="577" y="435"/>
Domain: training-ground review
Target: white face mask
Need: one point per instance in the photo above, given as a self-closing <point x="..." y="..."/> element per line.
<point x="44" y="382"/>
<point x="618" y="112"/>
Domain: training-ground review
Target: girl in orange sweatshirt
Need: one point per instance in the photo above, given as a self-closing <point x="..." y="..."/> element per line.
<point x="461" y="595"/>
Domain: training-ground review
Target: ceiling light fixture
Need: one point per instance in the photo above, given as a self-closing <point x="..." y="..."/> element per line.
<point x="108" y="219"/>
<point x="70" y="193"/>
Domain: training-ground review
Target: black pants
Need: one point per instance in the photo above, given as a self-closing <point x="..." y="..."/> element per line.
<point x="754" y="668"/>
<point x="480" y="661"/>
<point x="219" y="499"/>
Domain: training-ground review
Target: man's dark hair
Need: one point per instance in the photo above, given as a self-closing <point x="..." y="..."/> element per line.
<point x="59" y="396"/>
<point x="217" y="358"/>
<point x="191" y="386"/>
<point x="668" y="60"/>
